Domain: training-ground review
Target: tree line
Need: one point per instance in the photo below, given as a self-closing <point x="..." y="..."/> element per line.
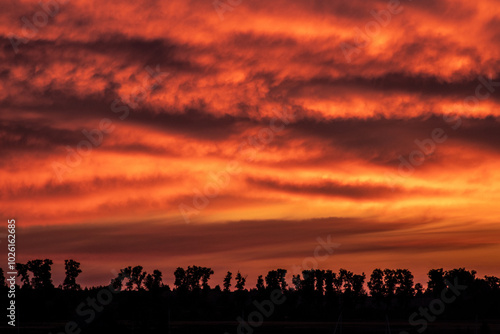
<point x="387" y="283"/>
<point x="147" y="304"/>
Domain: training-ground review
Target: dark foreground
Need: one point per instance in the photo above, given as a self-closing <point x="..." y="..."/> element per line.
<point x="270" y="327"/>
<point x="454" y="303"/>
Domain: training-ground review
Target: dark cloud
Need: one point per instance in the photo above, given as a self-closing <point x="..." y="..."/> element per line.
<point x="356" y="191"/>
<point x="274" y="238"/>
<point x="92" y="186"/>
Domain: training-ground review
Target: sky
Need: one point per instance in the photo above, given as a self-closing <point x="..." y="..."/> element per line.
<point x="241" y="135"/>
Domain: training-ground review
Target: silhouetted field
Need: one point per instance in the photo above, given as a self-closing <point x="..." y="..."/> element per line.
<point x="230" y="327"/>
<point x="319" y="301"/>
<point x="213" y="311"/>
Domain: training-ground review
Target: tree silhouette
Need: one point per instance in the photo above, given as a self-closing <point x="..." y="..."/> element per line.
<point x="42" y="277"/>
<point x="137" y="279"/>
<point x="329" y="279"/>
<point x="468" y="279"/>
<point x="193" y="276"/>
<point x="404" y="279"/>
<point x="137" y="276"/>
<point x="227" y="281"/>
<point x="462" y="275"/>
<point x="3" y="284"/>
<point x="116" y="283"/>
<point x="346" y="277"/>
<point x="282" y="279"/>
<point x="390" y="282"/>
<point x="320" y="279"/>
<point x="357" y="284"/>
<point x="376" y="283"/>
<point x="493" y="282"/>
<point x="276" y="279"/>
<point x="72" y="271"/>
<point x="307" y="283"/>
<point x="338" y="281"/>
<point x="205" y="276"/>
<point x="436" y="281"/>
<point x="419" y="290"/>
<point x="240" y="282"/>
<point x="296" y="281"/>
<point x="153" y="282"/>
<point x="190" y="279"/>
<point x="344" y="294"/>
<point x="272" y="280"/>
<point x="127" y="273"/>
<point x="22" y="271"/>
<point x="180" y="279"/>
<point x="260" y="283"/>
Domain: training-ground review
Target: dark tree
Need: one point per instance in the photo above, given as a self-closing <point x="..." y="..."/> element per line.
<point x="227" y="281"/>
<point x="137" y="276"/>
<point x="116" y="283"/>
<point x="338" y="281"/>
<point x="320" y="280"/>
<point x="180" y="279"/>
<point x="419" y="290"/>
<point x="281" y="279"/>
<point x="376" y="283"/>
<point x="346" y="277"/>
<point x="42" y="277"/>
<point x="240" y="282"/>
<point x="72" y="271"/>
<point x="329" y="279"/>
<point x="404" y="279"/>
<point x="194" y="275"/>
<point x="357" y="284"/>
<point x="272" y="280"/>
<point x="3" y="284"/>
<point x="493" y="282"/>
<point x="22" y="270"/>
<point x="260" y="283"/>
<point x="205" y="276"/>
<point x="461" y="275"/>
<point x="390" y="282"/>
<point x="127" y="273"/>
<point x="153" y="282"/>
<point x="296" y="281"/>
<point x="436" y="282"/>
<point x="194" y="278"/>
<point x="138" y="279"/>
<point x="308" y="280"/>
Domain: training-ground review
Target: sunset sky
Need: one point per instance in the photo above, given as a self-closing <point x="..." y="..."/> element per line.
<point x="234" y="135"/>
